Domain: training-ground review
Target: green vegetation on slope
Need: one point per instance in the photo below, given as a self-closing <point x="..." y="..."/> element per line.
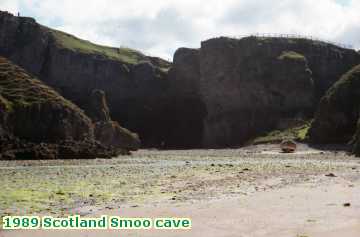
<point x="70" y="42"/>
<point x="17" y="88"/>
<point x="291" y="55"/>
<point x="348" y="84"/>
<point x="338" y="112"/>
<point x="297" y="133"/>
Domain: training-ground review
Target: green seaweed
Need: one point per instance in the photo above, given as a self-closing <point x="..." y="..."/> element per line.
<point x="297" y="133"/>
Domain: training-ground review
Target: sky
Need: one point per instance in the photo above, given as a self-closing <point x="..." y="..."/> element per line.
<point x="159" y="27"/>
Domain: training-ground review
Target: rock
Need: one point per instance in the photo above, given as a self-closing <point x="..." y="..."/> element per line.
<point x="35" y="112"/>
<point x="135" y="85"/>
<point x="331" y="175"/>
<point x="111" y="134"/>
<point x="338" y="112"/>
<point x="243" y="81"/>
<point x="38" y="123"/>
<point x="235" y="84"/>
<point x="288" y="146"/>
<point x="186" y="106"/>
<point x="98" y="109"/>
<point x="357" y="140"/>
<point x="215" y="96"/>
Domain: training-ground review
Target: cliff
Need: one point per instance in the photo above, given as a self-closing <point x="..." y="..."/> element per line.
<point x="337" y="117"/>
<point x="134" y="84"/>
<point x="38" y="123"/>
<point x="223" y="94"/>
<point x="109" y="132"/>
<point x="253" y="85"/>
<point x="187" y="107"/>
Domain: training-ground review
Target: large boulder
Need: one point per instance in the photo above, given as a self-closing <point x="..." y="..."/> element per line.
<point x="111" y="134"/>
<point x="338" y="111"/>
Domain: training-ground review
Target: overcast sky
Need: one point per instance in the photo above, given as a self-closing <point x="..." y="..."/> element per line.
<point x="159" y="27"/>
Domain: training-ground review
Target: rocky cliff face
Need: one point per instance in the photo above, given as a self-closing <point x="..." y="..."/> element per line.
<point x="37" y="123"/>
<point x="109" y="132"/>
<point x="338" y="112"/>
<point x="250" y="85"/>
<point x="35" y="112"/>
<point x="186" y="105"/>
<point x="220" y="95"/>
<point x="135" y="84"/>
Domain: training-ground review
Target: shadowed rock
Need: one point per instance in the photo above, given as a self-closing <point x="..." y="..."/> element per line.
<point x="222" y="94"/>
<point x="38" y="123"/>
<point x="98" y="109"/>
<point x="357" y="140"/>
<point x="249" y="86"/>
<point x="336" y="120"/>
<point x="134" y="83"/>
<point x="109" y="132"/>
<point x="338" y="112"/>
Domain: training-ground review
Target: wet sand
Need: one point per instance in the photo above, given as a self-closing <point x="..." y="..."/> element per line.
<point x="283" y="201"/>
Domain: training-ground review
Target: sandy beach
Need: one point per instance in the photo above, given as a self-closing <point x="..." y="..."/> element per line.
<point x="254" y="191"/>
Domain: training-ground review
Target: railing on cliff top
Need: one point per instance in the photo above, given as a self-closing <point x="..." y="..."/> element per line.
<point x="294" y="36"/>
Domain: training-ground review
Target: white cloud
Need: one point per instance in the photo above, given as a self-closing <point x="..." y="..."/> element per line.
<point x="160" y="27"/>
<point x="9" y="5"/>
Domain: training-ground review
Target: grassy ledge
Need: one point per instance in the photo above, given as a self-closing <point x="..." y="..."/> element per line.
<point x="291" y="55"/>
<point x="73" y="43"/>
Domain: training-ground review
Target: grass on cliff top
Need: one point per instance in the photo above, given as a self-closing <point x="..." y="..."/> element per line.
<point x="291" y="55"/>
<point x="349" y="81"/>
<point x="17" y="88"/>
<point x="296" y="133"/>
<point x="122" y="54"/>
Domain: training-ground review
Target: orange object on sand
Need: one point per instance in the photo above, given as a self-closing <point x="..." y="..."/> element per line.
<point x="288" y="146"/>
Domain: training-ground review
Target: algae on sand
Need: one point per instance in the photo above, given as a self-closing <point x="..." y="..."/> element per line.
<point x="297" y="133"/>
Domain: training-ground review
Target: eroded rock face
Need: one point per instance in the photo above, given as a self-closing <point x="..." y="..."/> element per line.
<point x="187" y="107"/>
<point x="38" y="123"/>
<point x="338" y="112"/>
<point x="108" y="132"/>
<point x="23" y="41"/>
<point x="135" y="85"/>
<point x="97" y="108"/>
<point x="249" y="86"/>
<point x="220" y="95"/>
<point x="111" y="134"/>
<point x="35" y="112"/>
